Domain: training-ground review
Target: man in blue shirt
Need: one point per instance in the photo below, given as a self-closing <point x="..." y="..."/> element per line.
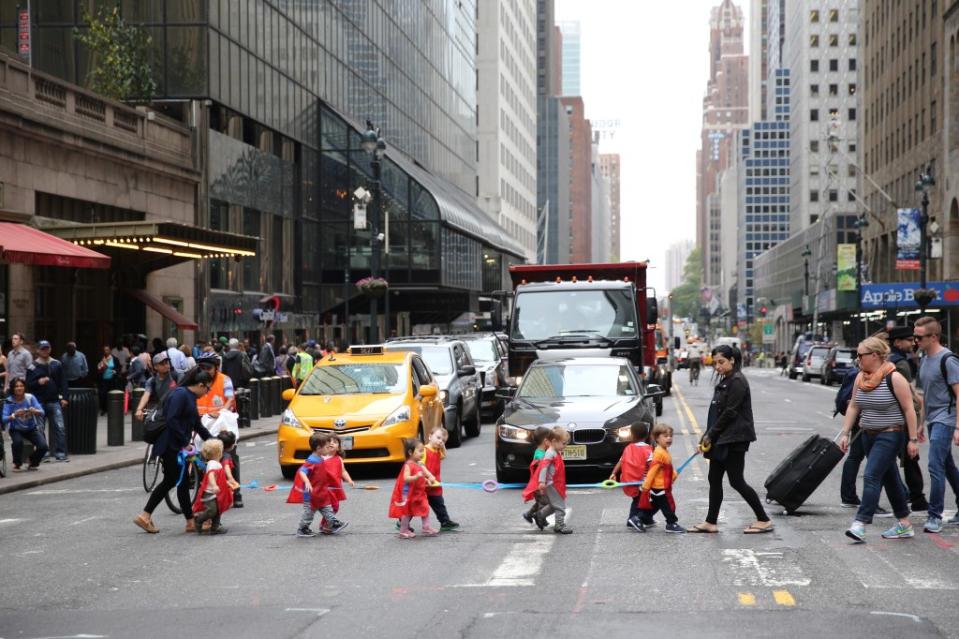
<point x="45" y="380"/>
<point x="939" y="392"/>
<point x="75" y="367"/>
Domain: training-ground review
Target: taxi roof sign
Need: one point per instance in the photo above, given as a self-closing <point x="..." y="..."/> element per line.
<point x="373" y="349"/>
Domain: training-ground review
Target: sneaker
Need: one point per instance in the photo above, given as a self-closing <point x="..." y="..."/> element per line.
<point x="563" y="530"/>
<point x="954" y="521"/>
<point x="33" y="468"/>
<point x="337" y="526"/>
<point x="636" y="523"/>
<point x="540" y="523"/>
<point x="219" y="530"/>
<point x="61" y="458"/>
<point x="851" y="504"/>
<point x="447" y="526"/>
<point x="933" y="524"/>
<point x="305" y="532"/>
<point x="238" y="501"/>
<point x="882" y="512"/>
<point x="857" y="532"/>
<point x="674" y="528"/>
<point x="47" y="458"/>
<point x="528" y="517"/>
<point x="899" y="531"/>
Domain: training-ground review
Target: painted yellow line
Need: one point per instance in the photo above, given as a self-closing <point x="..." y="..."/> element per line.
<point x="689" y="412"/>
<point x="747" y="599"/>
<point x="700" y="464"/>
<point x="783" y="598"/>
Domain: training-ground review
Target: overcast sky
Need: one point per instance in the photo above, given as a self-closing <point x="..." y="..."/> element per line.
<point x="646" y="63"/>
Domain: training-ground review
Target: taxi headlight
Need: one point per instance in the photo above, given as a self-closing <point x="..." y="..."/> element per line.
<point x="510" y="433"/>
<point x="398" y="416"/>
<point x="289" y="419"/>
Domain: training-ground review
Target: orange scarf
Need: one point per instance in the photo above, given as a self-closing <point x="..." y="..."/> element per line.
<point x="870" y="381"/>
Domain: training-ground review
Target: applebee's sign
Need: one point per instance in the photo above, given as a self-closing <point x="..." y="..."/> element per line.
<point x="897" y="295"/>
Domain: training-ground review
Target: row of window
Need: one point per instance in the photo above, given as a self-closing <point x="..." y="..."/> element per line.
<point x="906" y="137"/>
<point x="832" y="195"/>
<point x="833" y="65"/>
<point x="833" y="89"/>
<point x="832" y="39"/>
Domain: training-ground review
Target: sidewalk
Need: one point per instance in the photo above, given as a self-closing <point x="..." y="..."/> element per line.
<point x="106" y="457"/>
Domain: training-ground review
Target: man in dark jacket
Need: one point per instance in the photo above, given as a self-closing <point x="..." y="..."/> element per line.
<point x="236" y="364"/>
<point x="266" y="359"/>
<point x="46" y="381"/>
<point x="902" y="345"/>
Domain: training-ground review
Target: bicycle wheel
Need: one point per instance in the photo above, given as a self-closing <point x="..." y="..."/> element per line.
<point x="193" y="481"/>
<point x="151" y="469"/>
<point x="3" y="459"/>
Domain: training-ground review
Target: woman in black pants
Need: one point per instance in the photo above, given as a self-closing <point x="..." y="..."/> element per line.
<point x="729" y="431"/>
<point x="182" y="420"/>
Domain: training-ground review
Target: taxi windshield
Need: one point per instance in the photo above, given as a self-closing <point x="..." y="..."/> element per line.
<point x="579" y="380"/>
<point x="356" y="378"/>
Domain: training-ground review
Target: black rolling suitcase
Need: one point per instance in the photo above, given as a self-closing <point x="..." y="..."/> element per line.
<point x="799" y="475"/>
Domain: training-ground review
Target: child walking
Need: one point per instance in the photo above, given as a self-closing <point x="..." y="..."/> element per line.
<point x="413" y="478"/>
<point x="657" y="491"/>
<point x="434" y="453"/>
<point x="336" y="470"/>
<point x="215" y="496"/>
<point x="632" y="467"/>
<point x="541" y="439"/>
<point x="552" y="483"/>
<point x="311" y="488"/>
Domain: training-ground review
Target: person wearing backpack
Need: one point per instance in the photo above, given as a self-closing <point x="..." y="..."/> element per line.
<point x="939" y="381"/>
<point x="902" y="345"/>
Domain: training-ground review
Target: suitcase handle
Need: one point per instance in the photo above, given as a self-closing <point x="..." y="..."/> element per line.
<point x="851" y="438"/>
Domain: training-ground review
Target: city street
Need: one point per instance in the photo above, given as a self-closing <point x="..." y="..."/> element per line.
<point x="74" y="564"/>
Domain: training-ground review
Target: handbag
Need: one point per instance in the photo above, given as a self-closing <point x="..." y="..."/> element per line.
<point x="154" y="423"/>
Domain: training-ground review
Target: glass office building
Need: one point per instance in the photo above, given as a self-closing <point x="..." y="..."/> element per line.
<point x="278" y="91"/>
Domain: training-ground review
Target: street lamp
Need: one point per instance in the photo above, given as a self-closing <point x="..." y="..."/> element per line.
<point x="375" y="147"/>
<point x="805" y="260"/>
<point x="861" y="223"/>
<point x="924" y="296"/>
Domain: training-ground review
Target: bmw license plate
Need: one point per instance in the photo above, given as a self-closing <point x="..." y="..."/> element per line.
<point x="347" y="443"/>
<point x="576" y="452"/>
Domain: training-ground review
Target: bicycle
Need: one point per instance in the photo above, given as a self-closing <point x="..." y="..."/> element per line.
<point x="694" y="373"/>
<point x="151" y="474"/>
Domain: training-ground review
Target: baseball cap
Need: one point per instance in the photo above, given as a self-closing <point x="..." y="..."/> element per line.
<point x="224" y="340"/>
<point x="43" y="344"/>
<point x="311" y="343"/>
<point x="160" y="357"/>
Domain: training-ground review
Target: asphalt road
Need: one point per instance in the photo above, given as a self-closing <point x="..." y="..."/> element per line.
<point x="73" y="564"/>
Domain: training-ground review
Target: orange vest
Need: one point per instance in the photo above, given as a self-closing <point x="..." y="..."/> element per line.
<point x="215" y="399"/>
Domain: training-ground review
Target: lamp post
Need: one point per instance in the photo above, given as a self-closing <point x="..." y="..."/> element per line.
<point x="375" y="147"/>
<point x="805" y="264"/>
<point x="923" y="295"/>
<point x="861" y="223"/>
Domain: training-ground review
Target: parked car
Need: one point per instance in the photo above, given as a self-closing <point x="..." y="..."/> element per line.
<point x="838" y="362"/>
<point x="798" y="355"/>
<point x="596" y="398"/>
<point x="490" y="357"/>
<point x="458" y="380"/>
<point x="815" y="358"/>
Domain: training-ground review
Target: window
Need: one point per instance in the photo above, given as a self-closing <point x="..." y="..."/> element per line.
<point x="814" y="66"/>
<point x="834" y="15"/>
<point x="933" y="59"/>
<point x="851" y="147"/>
<point x="834" y="65"/>
<point x="850" y="170"/>
<point x="833" y="195"/>
<point x="852" y="39"/>
<point x="814" y="115"/>
<point x="834" y="39"/>
<point x="814" y="90"/>
<point x="834" y="89"/>
<point x="814" y="146"/>
<point x="814" y="196"/>
<point x="852" y="64"/>
<point x="814" y="41"/>
<point x="932" y="118"/>
<point x="851" y="195"/>
<point x="852" y="114"/>
<point x="814" y="15"/>
<point x="852" y="89"/>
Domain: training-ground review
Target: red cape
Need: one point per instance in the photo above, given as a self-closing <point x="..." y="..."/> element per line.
<point x="334" y="471"/>
<point x="433" y="463"/>
<point x="530" y="491"/>
<point x="667" y="469"/>
<point x="635" y="462"/>
<point x="416" y="502"/>
<point x="559" y="477"/>
<point x="224" y="498"/>
<point x="319" y="480"/>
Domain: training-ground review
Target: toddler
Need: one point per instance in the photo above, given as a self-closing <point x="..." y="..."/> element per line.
<point x="413" y="503"/>
<point x="336" y="470"/>
<point x="541" y="439"/>
<point x="657" y="491"/>
<point x="434" y="453"/>
<point x="632" y="466"/>
<point x="552" y="483"/>
<point x="311" y="487"/>
<point x="215" y="496"/>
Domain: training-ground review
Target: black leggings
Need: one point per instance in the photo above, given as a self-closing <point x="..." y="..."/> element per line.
<point x="732" y="466"/>
<point x="171" y="473"/>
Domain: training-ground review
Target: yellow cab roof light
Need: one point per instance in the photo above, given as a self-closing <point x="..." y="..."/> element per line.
<point x="372" y="349"/>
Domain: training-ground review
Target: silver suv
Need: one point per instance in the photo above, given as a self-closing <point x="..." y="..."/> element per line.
<point x="815" y="358"/>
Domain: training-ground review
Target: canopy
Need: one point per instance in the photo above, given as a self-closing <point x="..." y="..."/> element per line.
<point x="26" y="245"/>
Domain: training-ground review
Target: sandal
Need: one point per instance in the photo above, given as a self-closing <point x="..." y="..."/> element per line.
<point x="701" y="528"/>
<point x="758" y="530"/>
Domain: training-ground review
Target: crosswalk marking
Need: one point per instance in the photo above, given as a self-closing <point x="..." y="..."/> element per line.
<point x="523" y="563"/>
<point x="756" y="568"/>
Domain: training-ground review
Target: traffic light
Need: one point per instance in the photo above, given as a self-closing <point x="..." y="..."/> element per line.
<point x="763" y="310"/>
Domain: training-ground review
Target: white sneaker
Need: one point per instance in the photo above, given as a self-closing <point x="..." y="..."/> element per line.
<point x="857" y="532"/>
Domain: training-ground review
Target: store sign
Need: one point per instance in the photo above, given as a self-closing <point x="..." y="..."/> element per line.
<point x="908" y="240"/>
<point x="270" y="316"/>
<point x="898" y="295"/>
<point x="846" y="267"/>
<point x="23" y="34"/>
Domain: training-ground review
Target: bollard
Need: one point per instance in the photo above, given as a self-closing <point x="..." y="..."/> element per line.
<point x="275" y="395"/>
<point x="285" y="384"/>
<point x="254" y="399"/>
<point x="265" y="397"/>
<point x="136" y="425"/>
<point x="115" y="418"/>
<point x="243" y="407"/>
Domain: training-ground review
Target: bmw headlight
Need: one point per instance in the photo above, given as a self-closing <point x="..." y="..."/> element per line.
<point x="398" y="416"/>
<point x="509" y="433"/>
<point x="289" y="419"/>
<point x="623" y="434"/>
<point x="443" y="396"/>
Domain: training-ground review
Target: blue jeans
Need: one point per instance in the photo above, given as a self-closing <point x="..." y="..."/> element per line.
<point x="942" y="468"/>
<point x="882" y="451"/>
<point x="58" y="434"/>
<point x="850" y="470"/>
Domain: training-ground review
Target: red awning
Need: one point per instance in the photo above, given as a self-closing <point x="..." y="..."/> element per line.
<point x="26" y="245"/>
<point x="164" y="309"/>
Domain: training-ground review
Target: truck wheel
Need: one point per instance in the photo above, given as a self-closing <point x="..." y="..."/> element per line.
<point x="454" y="426"/>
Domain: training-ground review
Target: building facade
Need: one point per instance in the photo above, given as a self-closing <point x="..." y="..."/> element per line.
<point x="600" y="209"/>
<point x="609" y="164"/>
<point x="572" y="52"/>
<point x="758" y="59"/>
<point x="580" y="180"/>
<point x="506" y="129"/>
<point x="676" y="255"/>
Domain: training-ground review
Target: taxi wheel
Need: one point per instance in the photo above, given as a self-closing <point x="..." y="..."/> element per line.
<point x="289" y="471"/>
<point x="474" y="425"/>
<point x="455" y="428"/>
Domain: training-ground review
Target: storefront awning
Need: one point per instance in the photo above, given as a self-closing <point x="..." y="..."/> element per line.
<point x="26" y="245"/>
<point x="155" y="245"/>
<point x="182" y="322"/>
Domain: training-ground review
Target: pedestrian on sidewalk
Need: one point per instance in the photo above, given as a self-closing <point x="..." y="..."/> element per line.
<point x="177" y="358"/>
<point x="159" y="386"/>
<point x="139" y="369"/>
<point x="236" y="365"/>
<point x="18" y="359"/>
<point x="939" y="380"/>
<point x="46" y="381"/>
<point x="108" y="377"/>
<point x="729" y="431"/>
<point x="21" y="414"/>
<point x="182" y="421"/>
<point x="265" y="363"/>
<point x="75" y="366"/>
<point x="886" y="417"/>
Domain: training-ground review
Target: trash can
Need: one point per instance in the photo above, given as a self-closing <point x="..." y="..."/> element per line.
<point x="80" y="421"/>
<point x="243" y="407"/>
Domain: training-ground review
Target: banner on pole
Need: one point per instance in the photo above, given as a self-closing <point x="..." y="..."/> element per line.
<point x="908" y="240"/>
<point x="846" y="267"/>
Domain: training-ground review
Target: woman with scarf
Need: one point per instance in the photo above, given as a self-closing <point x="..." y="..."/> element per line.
<point x="882" y="401"/>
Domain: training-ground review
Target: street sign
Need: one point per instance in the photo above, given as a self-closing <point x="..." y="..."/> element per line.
<point x="769" y="333"/>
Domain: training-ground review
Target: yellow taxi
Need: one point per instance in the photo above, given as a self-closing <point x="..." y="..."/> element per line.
<point x="371" y="398"/>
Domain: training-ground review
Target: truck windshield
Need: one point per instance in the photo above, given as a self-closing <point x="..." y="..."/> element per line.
<point x="540" y="315"/>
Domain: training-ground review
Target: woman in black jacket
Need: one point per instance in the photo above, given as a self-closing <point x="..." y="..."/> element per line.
<point x="182" y="420"/>
<point x="729" y="431"/>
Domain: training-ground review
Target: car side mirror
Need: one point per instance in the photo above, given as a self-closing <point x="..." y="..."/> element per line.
<point x="288" y="394"/>
<point x="427" y="391"/>
<point x="505" y="393"/>
<point x="654" y="390"/>
<point x="466" y="371"/>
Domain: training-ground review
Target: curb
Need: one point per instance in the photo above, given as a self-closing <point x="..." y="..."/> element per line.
<point x="123" y="463"/>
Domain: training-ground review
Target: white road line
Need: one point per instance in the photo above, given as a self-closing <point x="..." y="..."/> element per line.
<point x="523" y="563"/>
<point x="83" y="521"/>
<point x="10" y="521"/>
<point x="769" y="569"/>
<point x="83" y="491"/>
<point x="250" y="444"/>
<point x="895" y="614"/>
<point x="788" y="429"/>
<point x="319" y="612"/>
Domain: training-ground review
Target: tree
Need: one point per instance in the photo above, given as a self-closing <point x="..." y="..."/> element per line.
<point x="686" y="296"/>
<point x="120" y="54"/>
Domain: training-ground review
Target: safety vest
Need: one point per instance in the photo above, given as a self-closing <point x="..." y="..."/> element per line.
<point x="303" y="366"/>
<point x="215" y="399"/>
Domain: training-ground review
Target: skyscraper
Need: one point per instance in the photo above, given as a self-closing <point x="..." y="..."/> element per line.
<point x="580" y="180"/>
<point x="600" y="213"/>
<point x="676" y="256"/>
<point x="571" y="57"/>
<point x="758" y="59"/>
<point x="609" y="165"/>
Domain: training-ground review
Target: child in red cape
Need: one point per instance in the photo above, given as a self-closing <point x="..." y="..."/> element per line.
<point x="413" y="476"/>
<point x="631" y="467"/>
<point x="311" y="488"/>
<point x="541" y="439"/>
<point x="658" y="487"/>
<point x="551" y="483"/>
<point x="433" y="454"/>
<point x="215" y="496"/>
<point x="336" y="470"/>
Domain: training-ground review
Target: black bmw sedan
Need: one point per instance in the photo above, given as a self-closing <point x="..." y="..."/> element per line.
<point x="596" y="399"/>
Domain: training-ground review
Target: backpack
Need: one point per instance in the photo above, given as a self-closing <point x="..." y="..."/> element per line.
<point x="945" y="378"/>
<point x="154" y="423"/>
<point x="845" y="391"/>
